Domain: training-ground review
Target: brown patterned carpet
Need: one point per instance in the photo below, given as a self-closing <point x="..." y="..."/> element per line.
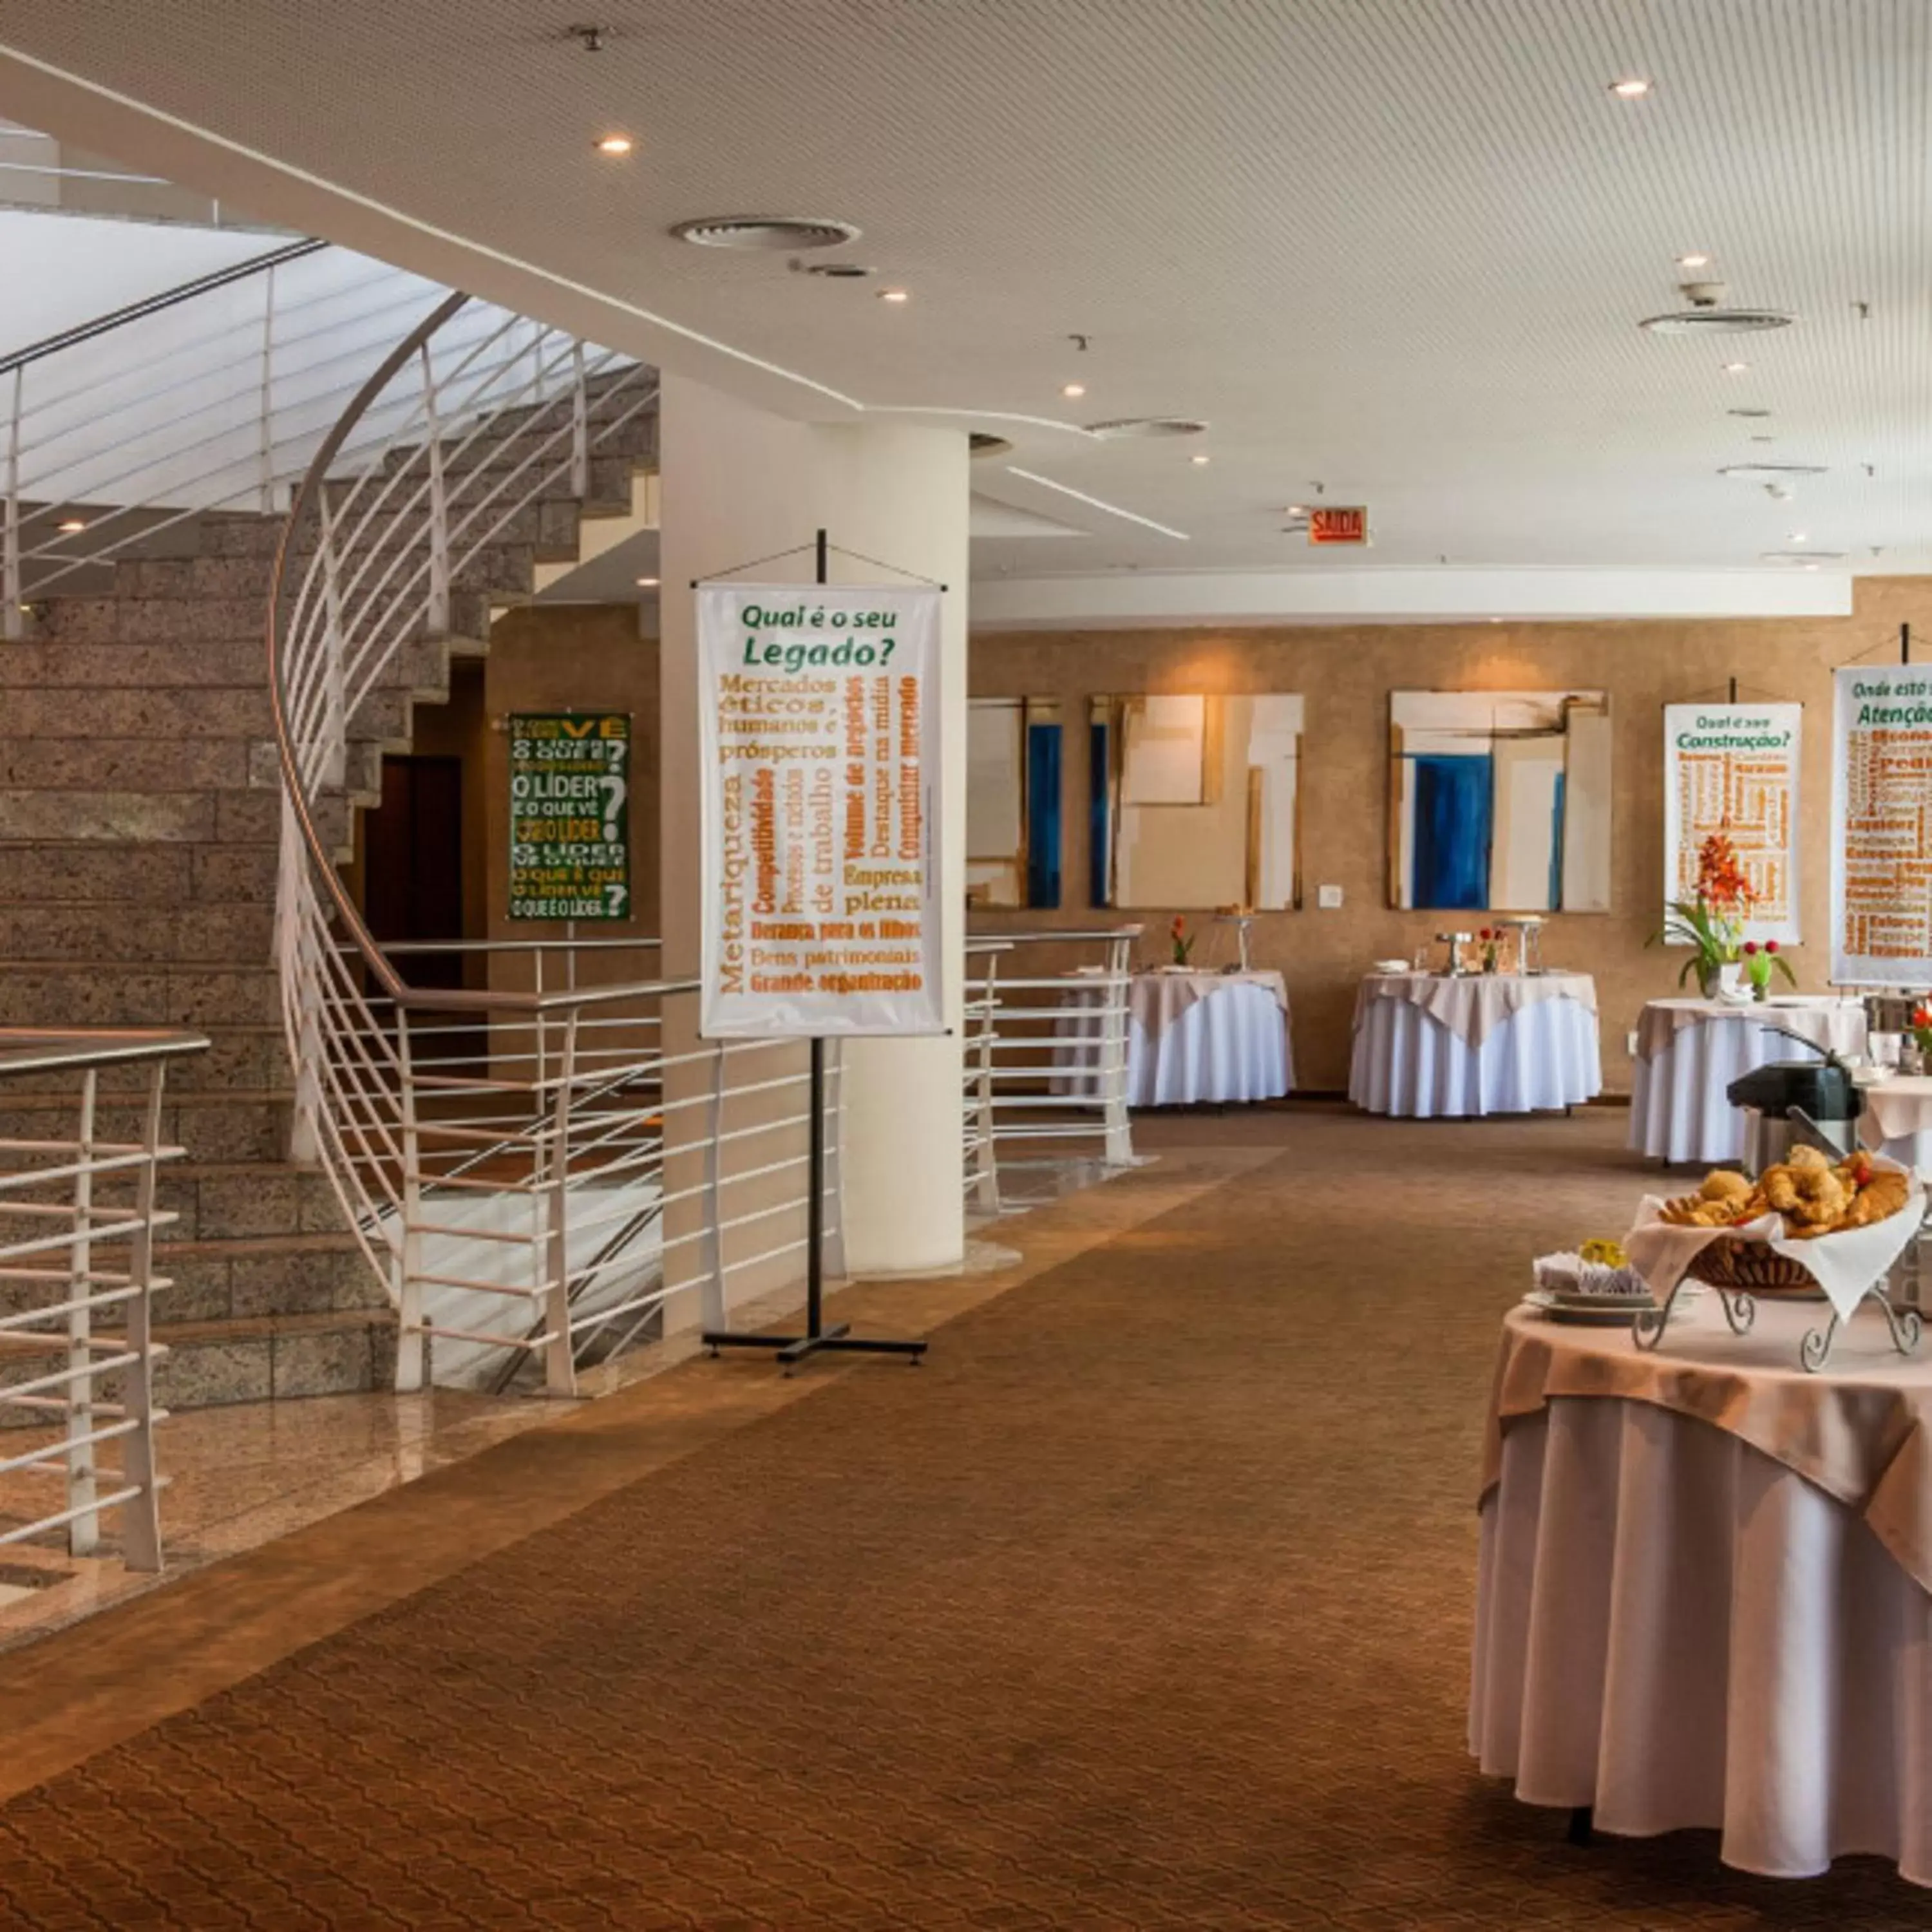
<point x="1145" y="1604"/>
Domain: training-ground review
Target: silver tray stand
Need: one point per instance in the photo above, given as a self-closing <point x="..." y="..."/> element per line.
<point x="1740" y="1309"/>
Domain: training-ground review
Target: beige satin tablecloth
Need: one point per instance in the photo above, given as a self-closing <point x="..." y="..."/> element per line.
<point x="1474" y="1005"/>
<point x="1862" y="1431"/>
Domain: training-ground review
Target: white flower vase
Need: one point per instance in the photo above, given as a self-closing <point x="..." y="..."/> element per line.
<point x="1729" y="979"/>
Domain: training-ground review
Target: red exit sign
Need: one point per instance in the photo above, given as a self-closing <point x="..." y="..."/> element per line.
<point x="1334" y="524"/>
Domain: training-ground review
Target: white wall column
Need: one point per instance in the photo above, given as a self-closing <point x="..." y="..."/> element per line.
<point x="740" y="483"/>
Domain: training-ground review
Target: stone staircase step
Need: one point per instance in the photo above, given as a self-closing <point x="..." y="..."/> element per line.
<point x="233" y="1125"/>
<point x="244" y="1279"/>
<point x="279" y="1357"/>
<point x="218" y="1199"/>
<point x="127" y="993"/>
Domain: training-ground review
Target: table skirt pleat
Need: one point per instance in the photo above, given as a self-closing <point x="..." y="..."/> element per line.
<point x="1406" y="1063"/>
<point x="1677" y="1630"/>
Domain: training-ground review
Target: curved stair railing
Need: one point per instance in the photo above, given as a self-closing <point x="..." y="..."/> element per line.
<point x="535" y="1160"/>
<point x="122" y="438"/>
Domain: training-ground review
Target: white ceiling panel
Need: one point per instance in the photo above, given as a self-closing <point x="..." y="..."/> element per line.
<point x="1395" y="248"/>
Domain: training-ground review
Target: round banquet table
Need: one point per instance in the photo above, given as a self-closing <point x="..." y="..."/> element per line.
<point x="1704" y="1590"/>
<point x="1543" y="1054"/>
<point x="1192" y="1037"/>
<point x="1898" y="1120"/>
<point x="1688" y="1052"/>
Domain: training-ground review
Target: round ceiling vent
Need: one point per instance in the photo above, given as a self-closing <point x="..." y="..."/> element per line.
<point x="1770" y="472"/>
<point x="1122" y="427"/>
<point x="979" y="443"/>
<point x="766" y="234"/>
<point x="1716" y="322"/>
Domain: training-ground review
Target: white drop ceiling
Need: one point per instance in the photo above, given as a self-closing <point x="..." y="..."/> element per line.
<point x="1394" y="249"/>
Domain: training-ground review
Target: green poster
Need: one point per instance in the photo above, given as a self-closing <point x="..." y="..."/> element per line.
<point x="570" y="817"/>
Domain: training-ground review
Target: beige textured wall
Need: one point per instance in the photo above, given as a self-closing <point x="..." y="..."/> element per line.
<point x="1347" y="674"/>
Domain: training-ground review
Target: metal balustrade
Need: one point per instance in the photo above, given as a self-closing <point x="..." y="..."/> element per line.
<point x="536" y="1161"/>
<point x="1046" y="1049"/>
<point x="542" y="1168"/>
<point x="123" y="434"/>
<point x="78" y="1217"/>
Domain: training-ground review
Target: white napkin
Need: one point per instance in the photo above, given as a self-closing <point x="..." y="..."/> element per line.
<point x="1843" y="1265"/>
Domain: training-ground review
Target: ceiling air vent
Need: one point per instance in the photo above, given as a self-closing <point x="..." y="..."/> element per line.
<point x="768" y="234"/>
<point x="835" y="271"/>
<point x="1123" y="427"/>
<point x="1802" y="556"/>
<point x="1770" y="472"/>
<point x="1716" y="322"/>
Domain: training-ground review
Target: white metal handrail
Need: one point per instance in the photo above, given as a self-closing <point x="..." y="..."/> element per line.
<point x="539" y="1159"/>
<point x="1045" y="1047"/>
<point x="79" y="1213"/>
<point x="120" y="436"/>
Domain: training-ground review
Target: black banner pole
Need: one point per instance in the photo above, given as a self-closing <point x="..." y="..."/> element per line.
<point x="793" y="1349"/>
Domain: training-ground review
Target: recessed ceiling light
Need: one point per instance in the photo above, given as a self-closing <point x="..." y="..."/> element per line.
<point x="1296" y="510"/>
<point x="1199" y="461"/>
<point x="1735" y="368"/>
<point x="647" y="584"/>
<point x="71" y="527"/>
<point x="1630" y="89"/>
<point x="896" y="295"/>
<point x="615" y="144"/>
<point x="1073" y="389"/>
<point x="1798" y="536"/>
<point x="1694" y="261"/>
<point x="1760" y="473"/>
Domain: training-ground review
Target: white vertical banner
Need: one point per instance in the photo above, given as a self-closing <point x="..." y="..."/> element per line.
<point x="1734" y="768"/>
<point x="1882" y="826"/>
<point x="819" y="735"/>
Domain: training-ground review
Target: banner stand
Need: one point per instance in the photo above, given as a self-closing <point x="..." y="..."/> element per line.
<point x="817" y="1338"/>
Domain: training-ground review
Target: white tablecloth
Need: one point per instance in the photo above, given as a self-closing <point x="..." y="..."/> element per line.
<point x="1677" y="1630"/>
<point x="1406" y="1063"/>
<point x="1897" y="1121"/>
<point x="1191" y="1038"/>
<point x="1678" y="1110"/>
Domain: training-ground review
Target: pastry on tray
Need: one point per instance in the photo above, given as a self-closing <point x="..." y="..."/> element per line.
<point x="1814" y="1195"/>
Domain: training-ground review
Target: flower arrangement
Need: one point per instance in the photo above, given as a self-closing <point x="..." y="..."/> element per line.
<point x="1491" y="941"/>
<point x="1182" y="939"/>
<point x="1712" y="919"/>
<point x="1759" y="962"/>
<point x="1922" y="1027"/>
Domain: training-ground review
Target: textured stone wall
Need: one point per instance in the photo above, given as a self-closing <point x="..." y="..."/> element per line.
<point x="1347" y="674"/>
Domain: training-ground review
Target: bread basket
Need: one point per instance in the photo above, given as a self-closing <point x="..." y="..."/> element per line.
<point x="1752" y="1267"/>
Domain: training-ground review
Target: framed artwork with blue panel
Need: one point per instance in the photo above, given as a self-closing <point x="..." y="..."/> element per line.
<point x="1195" y="801"/>
<point x="1499" y="801"/>
<point x="1014" y="764"/>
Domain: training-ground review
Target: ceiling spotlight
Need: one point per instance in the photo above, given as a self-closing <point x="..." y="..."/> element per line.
<point x="1798" y="536"/>
<point x="71" y="527"/>
<point x="1694" y="261"/>
<point x="1073" y="389"/>
<point x="1630" y="89"/>
<point x="1296" y="510"/>
<point x="1200" y="462"/>
<point x="615" y="144"/>
<point x="1735" y="368"/>
<point x="647" y="584"/>
<point x="896" y="295"/>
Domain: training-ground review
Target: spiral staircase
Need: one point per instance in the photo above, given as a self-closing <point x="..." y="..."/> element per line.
<point x="377" y="467"/>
